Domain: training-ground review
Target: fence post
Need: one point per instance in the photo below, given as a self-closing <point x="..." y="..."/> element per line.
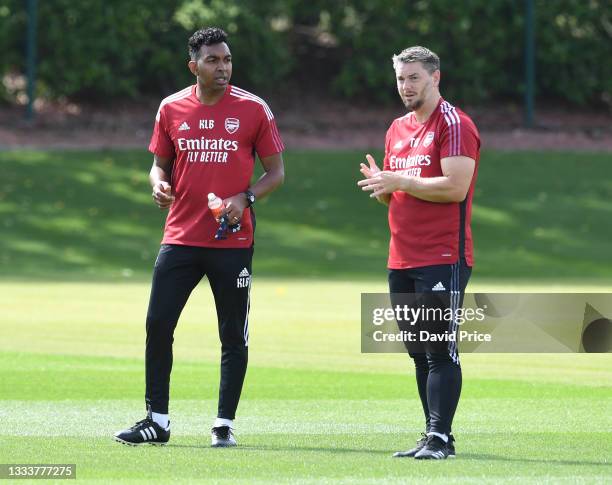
<point x="31" y="58"/>
<point x="529" y="63"/>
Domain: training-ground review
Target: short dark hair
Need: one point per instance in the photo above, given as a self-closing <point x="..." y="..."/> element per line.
<point x="205" y="36"/>
<point x="417" y="53"/>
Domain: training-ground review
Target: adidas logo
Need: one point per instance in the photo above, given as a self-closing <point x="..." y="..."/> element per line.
<point x="439" y="287"/>
<point x="184" y="126"/>
<point x="398" y="145"/>
<point x="243" y="280"/>
<point x="148" y="433"/>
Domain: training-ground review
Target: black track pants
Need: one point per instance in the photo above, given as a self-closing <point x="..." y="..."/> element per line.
<point x="178" y="270"/>
<point x="438" y="372"/>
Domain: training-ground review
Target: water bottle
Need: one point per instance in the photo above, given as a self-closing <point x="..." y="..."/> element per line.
<point x="216" y="205"/>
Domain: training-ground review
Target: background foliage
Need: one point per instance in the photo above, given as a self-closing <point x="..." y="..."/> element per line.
<point x="99" y="48"/>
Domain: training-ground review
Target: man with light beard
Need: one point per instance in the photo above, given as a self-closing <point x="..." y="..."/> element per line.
<point x="428" y="177"/>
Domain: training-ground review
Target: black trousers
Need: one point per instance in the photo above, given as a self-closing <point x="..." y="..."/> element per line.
<point x="438" y="371"/>
<point x="178" y="269"/>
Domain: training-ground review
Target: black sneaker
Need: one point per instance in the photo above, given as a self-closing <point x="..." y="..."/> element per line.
<point x="413" y="451"/>
<point x="451" y="446"/>
<point x="145" y="432"/>
<point x="222" y="436"/>
<point x="435" y="449"/>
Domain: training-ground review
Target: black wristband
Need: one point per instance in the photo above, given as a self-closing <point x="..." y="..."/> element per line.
<point x="250" y="197"/>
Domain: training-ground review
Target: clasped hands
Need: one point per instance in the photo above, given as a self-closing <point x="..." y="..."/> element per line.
<point x="381" y="182"/>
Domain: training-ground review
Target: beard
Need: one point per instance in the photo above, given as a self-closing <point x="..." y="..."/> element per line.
<point x="414" y="105"/>
<point x="419" y="99"/>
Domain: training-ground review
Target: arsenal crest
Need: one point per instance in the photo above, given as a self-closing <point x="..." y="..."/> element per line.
<point x="232" y="125"/>
<point x="428" y="139"/>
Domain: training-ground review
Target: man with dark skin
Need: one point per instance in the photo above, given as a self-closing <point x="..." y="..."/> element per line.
<point x="204" y="141"/>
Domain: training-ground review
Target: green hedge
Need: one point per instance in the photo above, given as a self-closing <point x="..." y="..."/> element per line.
<point x="99" y="48"/>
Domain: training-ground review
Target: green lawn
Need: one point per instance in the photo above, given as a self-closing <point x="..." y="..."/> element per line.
<point x="79" y="236"/>
<point x="89" y="215"/>
<point x="313" y="409"/>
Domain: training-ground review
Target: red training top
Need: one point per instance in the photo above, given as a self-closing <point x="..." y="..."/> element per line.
<point x="213" y="148"/>
<point x="428" y="233"/>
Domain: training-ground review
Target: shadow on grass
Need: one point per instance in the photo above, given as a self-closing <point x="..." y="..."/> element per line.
<point x="538" y="215"/>
<point x="486" y="457"/>
<point x="291" y="448"/>
<point x="389" y="453"/>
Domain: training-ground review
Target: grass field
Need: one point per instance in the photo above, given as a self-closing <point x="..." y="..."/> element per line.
<point x="89" y="215"/>
<point x="313" y="408"/>
<point x="78" y="238"/>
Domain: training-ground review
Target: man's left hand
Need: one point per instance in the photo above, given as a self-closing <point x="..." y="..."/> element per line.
<point x="384" y="183"/>
<point x="234" y="207"/>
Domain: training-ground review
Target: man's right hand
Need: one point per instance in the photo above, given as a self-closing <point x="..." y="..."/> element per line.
<point x="373" y="169"/>
<point x="162" y="195"/>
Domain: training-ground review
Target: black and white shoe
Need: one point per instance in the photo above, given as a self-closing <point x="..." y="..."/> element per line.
<point x="145" y="432"/>
<point x="451" y="446"/>
<point x="435" y="449"/>
<point x="413" y="451"/>
<point x="222" y="437"/>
